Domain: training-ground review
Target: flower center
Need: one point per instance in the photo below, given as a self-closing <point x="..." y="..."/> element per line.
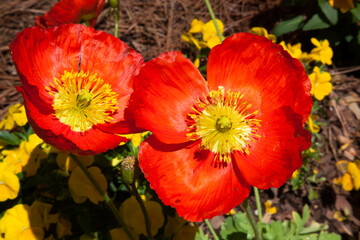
<point x="82" y="100"/>
<point x="223" y="124"/>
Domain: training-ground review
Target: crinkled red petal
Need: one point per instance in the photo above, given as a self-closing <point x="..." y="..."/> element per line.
<point x="70" y="11"/>
<point x="276" y="154"/>
<point x="262" y="71"/>
<point x="52" y="131"/>
<point x="164" y="92"/>
<point x="188" y="179"/>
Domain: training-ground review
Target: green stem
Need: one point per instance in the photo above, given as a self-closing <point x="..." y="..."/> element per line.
<point x="214" y="19"/>
<point x="108" y="201"/>
<point x="258" y="203"/>
<point x="116" y="16"/>
<point x="211" y="229"/>
<point x="143" y="209"/>
<point x="252" y="220"/>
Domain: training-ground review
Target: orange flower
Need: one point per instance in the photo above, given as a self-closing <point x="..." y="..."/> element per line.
<point x="76" y="83"/>
<point x="71" y="11"/>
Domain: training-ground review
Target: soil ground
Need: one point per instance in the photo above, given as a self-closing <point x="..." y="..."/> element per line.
<point x="152" y="27"/>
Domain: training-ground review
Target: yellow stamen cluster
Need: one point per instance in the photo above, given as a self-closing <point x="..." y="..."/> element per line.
<point x="223" y="124"/>
<point x="82" y="100"/>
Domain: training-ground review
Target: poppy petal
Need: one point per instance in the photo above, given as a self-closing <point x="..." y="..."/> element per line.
<point x="183" y="176"/>
<point x="260" y="69"/>
<point x="54" y="132"/>
<point x="71" y="11"/>
<point x="277" y="153"/>
<point x="164" y="92"/>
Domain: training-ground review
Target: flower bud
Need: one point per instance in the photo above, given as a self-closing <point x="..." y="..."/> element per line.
<point x="129" y="169"/>
<point x="114" y="3"/>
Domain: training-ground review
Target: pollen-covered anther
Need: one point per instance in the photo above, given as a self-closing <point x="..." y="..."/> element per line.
<point x="82" y="100"/>
<point x="223" y="124"/>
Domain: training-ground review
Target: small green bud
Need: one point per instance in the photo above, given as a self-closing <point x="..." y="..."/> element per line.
<point x="129" y="169"/>
<point x="114" y="3"/>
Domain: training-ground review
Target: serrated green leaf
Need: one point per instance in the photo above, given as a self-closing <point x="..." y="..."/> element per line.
<point x="315" y="22"/>
<point x="330" y="13"/>
<point x="287" y="26"/>
<point x="9" y="138"/>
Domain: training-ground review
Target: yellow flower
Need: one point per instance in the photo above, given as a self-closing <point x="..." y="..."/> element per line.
<point x="189" y="38"/>
<point x="133" y="216"/>
<point x="320" y="83"/>
<point x="295" y="51"/>
<point x="197" y="63"/>
<point x="295" y="174"/>
<point x="346" y="182"/>
<point x="268" y="208"/>
<point x="322" y="51"/>
<point x="343" y="5"/>
<point x="311" y="125"/>
<point x="338" y="216"/>
<point x="196" y="26"/>
<point x="15" y="114"/>
<point x="63" y="228"/>
<point x="263" y="32"/>
<point x="66" y="163"/>
<point x="210" y="35"/>
<point x="81" y="188"/>
<point x="21" y="224"/>
<point x="9" y="182"/>
<point x="27" y="157"/>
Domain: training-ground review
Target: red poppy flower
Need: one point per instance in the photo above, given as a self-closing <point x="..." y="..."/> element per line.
<point x="212" y="141"/>
<point x="71" y="11"/>
<point x="76" y="83"/>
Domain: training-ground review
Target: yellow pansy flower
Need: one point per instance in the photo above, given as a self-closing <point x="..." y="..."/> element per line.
<point x="263" y="32"/>
<point x="320" y="83"/>
<point x="16" y="114"/>
<point x="295" y="51"/>
<point x="21" y="224"/>
<point x="196" y="26"/>
<point x="27" y="157"/>
<point x="311" y="125"/>
<point x="346" y="182"/>
<point x="66" y="163"/>
<point x="81" y="188"/>
<point x="343" y="5"/>
<point x="210" y="35"/>
<point x="9" y="182"/>
<point x="351" y="178"/>
<point x="322" y="51"/>
<point x="133" y="216"/>
<point x="269" y="208"/>
<point x="189" y="38"/>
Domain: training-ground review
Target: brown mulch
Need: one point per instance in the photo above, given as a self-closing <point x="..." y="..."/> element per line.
<point x="152" y="27"/>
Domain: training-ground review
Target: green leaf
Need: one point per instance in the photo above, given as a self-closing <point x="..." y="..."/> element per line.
<point x="316" y="22"/>
<point x="327" y="236"/>
<point x="287" y="26"/>
<point x="200" y="235"/>
<point x="9" y="138"/>
<point x="330" y="13"/>
<point x="236" y="226"/>
<point x="356" y="12"/>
